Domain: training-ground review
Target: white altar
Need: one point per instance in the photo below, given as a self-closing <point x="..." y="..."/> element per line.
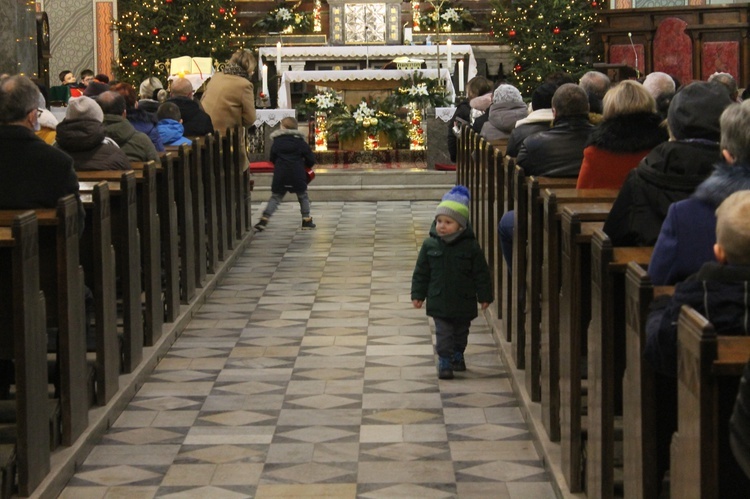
<point x="296" y="57"/>
<point x="365" y="79"/>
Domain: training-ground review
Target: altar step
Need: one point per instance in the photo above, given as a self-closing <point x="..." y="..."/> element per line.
<point x="368" y="185"/>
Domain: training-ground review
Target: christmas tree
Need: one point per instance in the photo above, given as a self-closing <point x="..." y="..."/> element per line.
<point x="158" y="30"/>
<point x="546" y="36"/>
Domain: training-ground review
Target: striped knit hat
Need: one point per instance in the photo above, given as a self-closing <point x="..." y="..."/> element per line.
<point x="455" y="204"/>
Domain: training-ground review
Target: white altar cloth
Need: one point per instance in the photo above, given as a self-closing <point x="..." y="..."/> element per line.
<point x="271" y="117"/>
<point x="322" y="77"/>
<point x="360" y="52"/>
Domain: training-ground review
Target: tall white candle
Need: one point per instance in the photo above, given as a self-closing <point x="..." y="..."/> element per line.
<point x="449" y="50"/>
<point x="278" y="58"/>
<point x="264" y="79"/>
<point x="407" y="36"/>
<point x="460" y="75"/>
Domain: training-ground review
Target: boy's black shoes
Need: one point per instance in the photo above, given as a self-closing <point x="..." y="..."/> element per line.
<point x="445" y="369"/>
<point x="261" y="225"/>
<point x="307" y="223"/>
<point x="458" y="362"/>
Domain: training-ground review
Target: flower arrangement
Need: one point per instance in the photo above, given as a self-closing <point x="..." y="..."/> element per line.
<point x="329" y="103"/>
<point x="286" y="20"/>
<point x="368" y="119"/>
<point x="451" y="19"/>
<point x="419" y="91"/>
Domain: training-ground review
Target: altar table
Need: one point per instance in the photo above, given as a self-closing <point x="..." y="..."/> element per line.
<point x="363" y="79"/>
<point x="297" y="56"/>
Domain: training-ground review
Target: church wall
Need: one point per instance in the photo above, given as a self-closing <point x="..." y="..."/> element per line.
<point x="18" y="22"/>
<point x="72" y="43"/>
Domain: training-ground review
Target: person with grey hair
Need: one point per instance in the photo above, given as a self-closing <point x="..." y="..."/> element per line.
<point x="687" y="235"/>
<point x="33" y="174"/>
<point x="151" y="94"/>
<point x="595" y="84"/>
<point x="81" y="135"/>
<point x="506" y="109"/>
<point x="136" y="145"/>
<point x="661" y="86"/>
<point x="728" y="81"/>
<point x="195" y="120"/>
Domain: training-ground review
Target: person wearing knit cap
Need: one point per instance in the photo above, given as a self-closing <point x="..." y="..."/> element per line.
<point x="452" y="275"/>
<point x="151" y="94"/>
<point x="506" y="109"/>
<point x="81" y="135"/>
<point x="673" y="169"/>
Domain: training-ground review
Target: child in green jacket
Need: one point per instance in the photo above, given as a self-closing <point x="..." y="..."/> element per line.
<point x="452" y="275"/>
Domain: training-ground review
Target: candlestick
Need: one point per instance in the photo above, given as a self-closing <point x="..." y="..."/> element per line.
<point x="278" y="58"/>
<point x="461" y="75"/>
<point x="264" y="79"/>
<point x="449" y="50"/>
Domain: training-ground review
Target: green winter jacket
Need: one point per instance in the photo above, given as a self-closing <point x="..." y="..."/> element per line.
<point x="452" y="277"/>
<point x="136" y="145"/>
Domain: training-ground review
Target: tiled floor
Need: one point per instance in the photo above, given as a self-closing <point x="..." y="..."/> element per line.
<point x="309" y="374"/>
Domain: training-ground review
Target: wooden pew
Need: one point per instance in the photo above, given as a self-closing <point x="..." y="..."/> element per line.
<point x="185" y="222"/>
<point x="708" y="370"/>
<point x="639" y="397"/>
<point x="168" y="222"/>
<point x="24" y="340"/>
<point x="230" y="175"/>
<point x="210" y="203"/>
<point x="239" y="160"/>
<point x="61" y="279"/>
<point x="606" y="356"/>
<point x="221" y="195"/>
<point x="553" y="202"/>
<point x="127" y="243"/>
<point x="496" y="267"/>
<point x="98" y="258"/>
<point x="199" y="210"/>
<point x="505" y="304"/>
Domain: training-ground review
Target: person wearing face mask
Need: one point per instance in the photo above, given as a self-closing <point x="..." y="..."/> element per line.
<point x="33" y="174"/>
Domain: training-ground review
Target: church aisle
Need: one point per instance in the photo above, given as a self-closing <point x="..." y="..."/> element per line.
<point x="307" y="373"/>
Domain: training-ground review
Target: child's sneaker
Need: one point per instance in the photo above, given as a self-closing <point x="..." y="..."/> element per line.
<point x="458" y="362"/>
<point x="445" y="369"/>
<point x="261" y="225"/>
<point x="307" y="223"/>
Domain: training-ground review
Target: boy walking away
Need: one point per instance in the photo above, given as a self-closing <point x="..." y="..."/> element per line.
<point x="290" y="155"/>
<point x="170" y="127"/>
<point x="452" y="275"/>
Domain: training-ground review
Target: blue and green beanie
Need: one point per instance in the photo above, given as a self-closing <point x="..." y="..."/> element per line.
<point x="455" y="204"/>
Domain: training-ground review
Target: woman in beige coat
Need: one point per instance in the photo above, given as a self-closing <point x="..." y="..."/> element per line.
<point x="229" y="97"/>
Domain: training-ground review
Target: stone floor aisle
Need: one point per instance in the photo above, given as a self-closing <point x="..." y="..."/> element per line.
<point x="308" y="374"/>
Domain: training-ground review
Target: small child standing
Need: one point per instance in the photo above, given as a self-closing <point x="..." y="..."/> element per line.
<point x="452" y="274"/>
<point x="290" y="155"/>
<point x="170" y="127"/>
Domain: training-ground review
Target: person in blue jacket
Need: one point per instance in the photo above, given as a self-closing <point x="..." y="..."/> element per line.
<point x="170" y="127"/>
<point x="452" y="275"/>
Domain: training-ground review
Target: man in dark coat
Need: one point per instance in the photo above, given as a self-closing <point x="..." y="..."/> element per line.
<point x="291" y="156"/>
<point x="558" y="152"/>
<point x="194" y="119"/>
<point x="672" y="170"/>
<point x="33" y="174"/>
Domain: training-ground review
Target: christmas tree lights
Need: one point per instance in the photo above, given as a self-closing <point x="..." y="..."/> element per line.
<point x="158" y="30"/>
<point x="546" y="36"/>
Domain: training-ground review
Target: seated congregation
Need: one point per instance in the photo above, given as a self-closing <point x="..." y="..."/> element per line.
<point x="113" y="226"/>
<point x="614" y="217"/>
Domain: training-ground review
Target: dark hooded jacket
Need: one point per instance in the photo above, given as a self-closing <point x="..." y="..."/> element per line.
<point x="670" y="173"/>
<point x="463" y="112"/>
<point x="721" y="293"/>
<point x="290" y="155"/>
<point x="85" y="141"/>
<point x="146" y="123"/>
<point x="453" y="277"/>
<point x="195" y="120"/>
<point x="616" y="146"/>
<point x="688" y="233"/>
